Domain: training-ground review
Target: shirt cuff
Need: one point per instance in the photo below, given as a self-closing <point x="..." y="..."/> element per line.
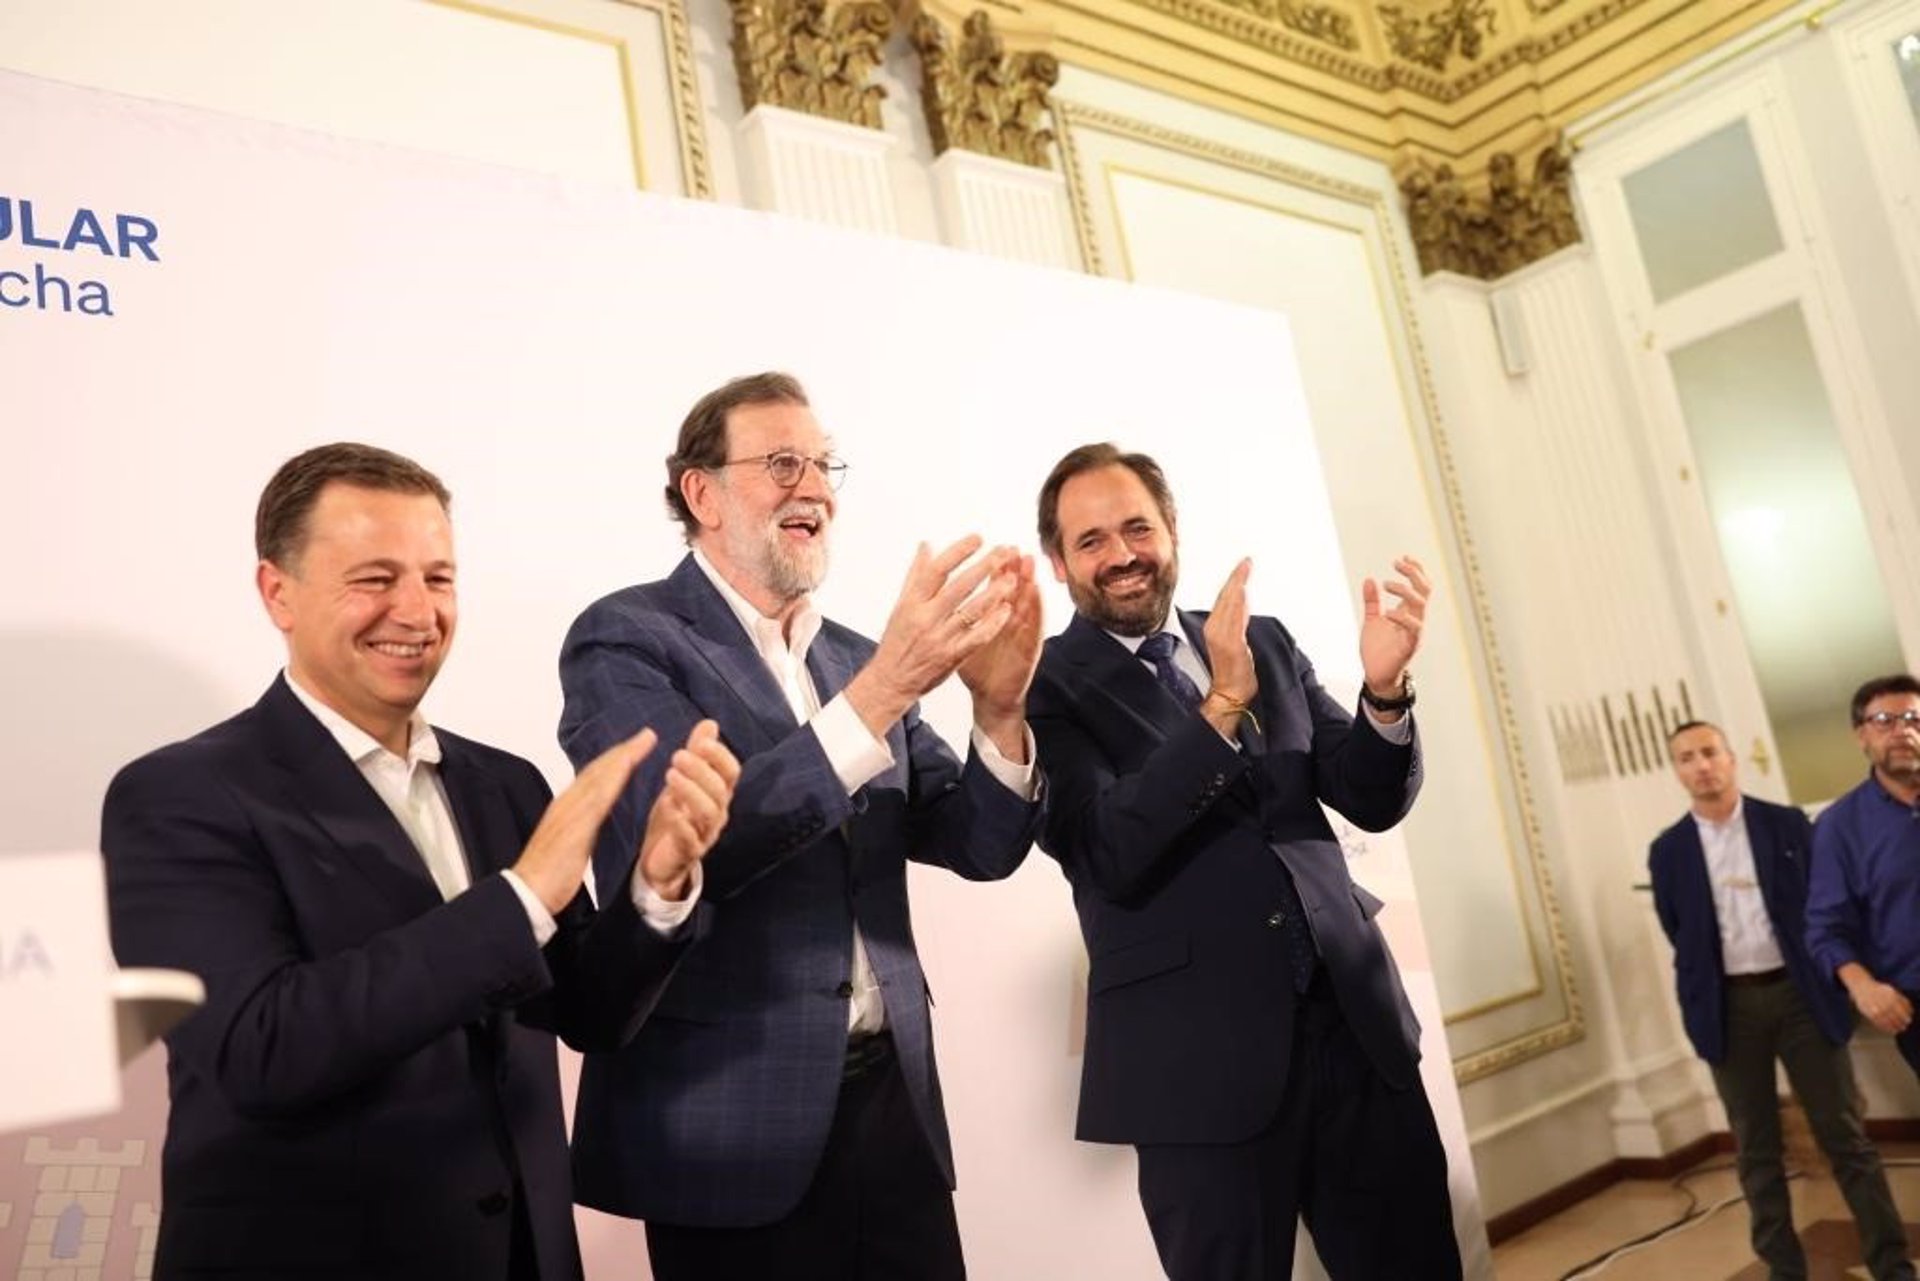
<point x="537" y="914"/>
<point x="664" y="915"/>
<point x="856" y="755"/>
<point x="1019" y="779"/>
<point x="1399" y="732"/>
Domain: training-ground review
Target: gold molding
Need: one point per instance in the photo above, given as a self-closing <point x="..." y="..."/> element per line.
<point x="1064" y="114"/>
<point x="1432" y="38"/>
<point x="690" y="126"/>
<point x="814" y="56"/>
<point x="617" y="43"/>
<point x="1071" y="118"/>
<point x="978" y="96"/>
<point x="1267" y="20"/>
<point x="683" y="81"/>
<point x="1472" y="85"/>
<point x="1336" y="55"/>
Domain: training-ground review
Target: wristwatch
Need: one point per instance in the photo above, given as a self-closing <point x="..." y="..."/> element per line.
<point x="1400" y="703"/>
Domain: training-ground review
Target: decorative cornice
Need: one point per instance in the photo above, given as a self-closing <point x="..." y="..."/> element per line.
<point x="696" y="168"/>
<point x="1244" y="24"/>
<point x="1515" y="222"/>
<point x="612" y="29"/>
<point x="1431" y="39"/>
<point x="811" y="55"/>
<point x="1322" y="22"/>
<point x="1407" y="82"/>
<point x="1418" y="40"/>
<point x="978" y="97"/>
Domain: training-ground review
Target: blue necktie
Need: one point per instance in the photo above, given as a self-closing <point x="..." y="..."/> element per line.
<point x="1291" y="920"/>
<point x="1158" y="650"/>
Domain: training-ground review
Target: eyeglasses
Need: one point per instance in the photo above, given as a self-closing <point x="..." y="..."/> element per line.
<point x="1884" y="721"/>
<point x="787" y="467"/>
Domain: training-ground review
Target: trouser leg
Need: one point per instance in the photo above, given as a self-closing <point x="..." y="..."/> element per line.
<point x="1745" y="1080"/>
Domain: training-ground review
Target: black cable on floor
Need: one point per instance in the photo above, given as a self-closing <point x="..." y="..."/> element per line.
<point x="1691" y="1215"/>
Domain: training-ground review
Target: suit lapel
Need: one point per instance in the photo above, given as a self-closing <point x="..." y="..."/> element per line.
<point x="324" y="783"/>
<point x="1692" y="869"/>
<point x="1118" y="678"/>
<point x="480" y="811"/>
<point x="723" y="644"/>
<point x="831" y="665"/>
<point x="1766" y="854"/>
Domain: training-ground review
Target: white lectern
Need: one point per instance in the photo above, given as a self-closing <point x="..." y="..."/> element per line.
<point x="147" y="1003"/>
<point x="70" y="1019"/>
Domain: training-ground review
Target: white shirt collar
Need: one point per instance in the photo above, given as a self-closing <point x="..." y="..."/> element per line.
<point x="765" y="632"/>
<point x="1172" y="628"/>
<point x="360" y="745"/>
<point x="1714" y="827"/>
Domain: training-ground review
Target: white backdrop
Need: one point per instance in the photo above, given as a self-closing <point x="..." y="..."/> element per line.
<point x="537" y="344"/>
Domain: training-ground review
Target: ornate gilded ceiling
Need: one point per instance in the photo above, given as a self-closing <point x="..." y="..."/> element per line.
<point x="1450" y="81"/>
<point x="1466" y="100"/>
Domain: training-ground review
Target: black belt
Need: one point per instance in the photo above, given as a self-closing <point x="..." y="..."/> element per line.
<point x="1761" y="979"/>
<point x="867" y="1054"/>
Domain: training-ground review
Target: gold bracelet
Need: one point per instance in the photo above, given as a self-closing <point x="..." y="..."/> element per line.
<point x="1235" y="706"/>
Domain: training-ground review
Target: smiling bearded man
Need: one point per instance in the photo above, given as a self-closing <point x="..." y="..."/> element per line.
<point x="1246" y="1030"/>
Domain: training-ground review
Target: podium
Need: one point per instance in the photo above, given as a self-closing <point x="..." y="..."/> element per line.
<point x="146" y="1005"/>
<point x="71" y="1020"/>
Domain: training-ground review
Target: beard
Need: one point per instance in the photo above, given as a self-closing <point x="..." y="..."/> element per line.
<point x="1899" y="761"/>
<point x="1140" y="614"/>
<point x="787" y="569"/>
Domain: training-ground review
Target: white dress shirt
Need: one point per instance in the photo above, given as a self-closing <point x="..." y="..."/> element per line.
<point x="856" y="755"/>
<point x="411" y="787"/>
<point x="1747" y="941"/>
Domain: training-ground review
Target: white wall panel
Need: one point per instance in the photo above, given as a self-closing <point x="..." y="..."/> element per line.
<point x="817" y="169"/>
<point x="1006" y="209"/>
<point x="428" y="76"/>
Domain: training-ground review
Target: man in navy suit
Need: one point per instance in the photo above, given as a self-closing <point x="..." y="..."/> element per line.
<point x="1246" y="1029"/>
<point x="780" y="1116"/>
<point x="389" y="921"/>
<point x="1730" y="887"/>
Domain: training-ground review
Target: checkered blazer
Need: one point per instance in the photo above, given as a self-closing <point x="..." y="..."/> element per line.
<point x="717" y="1113"/>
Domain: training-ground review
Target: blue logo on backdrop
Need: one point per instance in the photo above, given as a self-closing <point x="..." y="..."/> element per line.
<point x="67" y="285"/>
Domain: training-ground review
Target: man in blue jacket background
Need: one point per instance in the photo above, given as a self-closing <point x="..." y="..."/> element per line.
<point x="1730" y="885"/>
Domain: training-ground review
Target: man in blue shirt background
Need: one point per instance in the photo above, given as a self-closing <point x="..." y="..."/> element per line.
<point x="1863" y="903"/>
<point x="1730" y="885"/>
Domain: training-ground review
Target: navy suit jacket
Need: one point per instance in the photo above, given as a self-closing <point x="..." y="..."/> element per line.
<point x="372" y="1071"/>
<point x="1176" y="845"/>
<point x="717" y="1113"/>
<point x="1782" y="841"/>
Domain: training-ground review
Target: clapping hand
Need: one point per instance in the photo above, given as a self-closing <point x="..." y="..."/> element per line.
<point x="1388" y="638"/>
